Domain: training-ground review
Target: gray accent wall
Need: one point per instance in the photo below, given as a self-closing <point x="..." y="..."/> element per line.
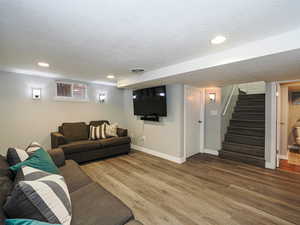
<point x="24" y="120"/>
<point x="165" y="137"/>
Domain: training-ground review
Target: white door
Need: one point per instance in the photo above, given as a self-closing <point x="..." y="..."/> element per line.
<point x="193" y="120"/>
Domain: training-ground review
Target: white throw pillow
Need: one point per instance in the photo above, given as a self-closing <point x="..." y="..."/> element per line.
<point x="111" y="130"/>
<point x="32" y="147"/>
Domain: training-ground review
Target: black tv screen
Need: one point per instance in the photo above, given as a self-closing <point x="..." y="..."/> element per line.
<point x="150" y="101"/>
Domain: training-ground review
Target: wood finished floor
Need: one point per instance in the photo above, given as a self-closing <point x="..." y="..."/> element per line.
<point x="205" y="190"/>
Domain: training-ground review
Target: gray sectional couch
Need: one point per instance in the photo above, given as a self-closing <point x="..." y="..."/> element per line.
<point x="91" y="203"/>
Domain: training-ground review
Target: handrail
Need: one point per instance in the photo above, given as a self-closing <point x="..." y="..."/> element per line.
<point x="229" y="100"/>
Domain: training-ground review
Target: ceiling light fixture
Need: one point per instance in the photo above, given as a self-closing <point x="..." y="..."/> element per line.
<point x="43" y="64"/>
<point x="218" y="40"/>
<point x="110" y="76"/>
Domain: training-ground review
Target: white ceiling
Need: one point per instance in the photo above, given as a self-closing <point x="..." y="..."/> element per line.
<point x="281" y="66"/>
<point x="90" y="39"/>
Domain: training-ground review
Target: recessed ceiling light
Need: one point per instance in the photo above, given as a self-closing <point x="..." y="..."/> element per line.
<point x="43" y="64"/>
<point x="110" y="76"/>
<point x="218" y="40"/>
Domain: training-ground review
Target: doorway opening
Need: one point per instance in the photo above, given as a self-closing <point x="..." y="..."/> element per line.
<point x="288" y="135"/>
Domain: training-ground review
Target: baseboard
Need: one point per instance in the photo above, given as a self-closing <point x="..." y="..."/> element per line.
<point x="158" y="154"/>
<point x="211" y="151"/>
<point x="270" y="165"/>
<point x="283" y="157"/>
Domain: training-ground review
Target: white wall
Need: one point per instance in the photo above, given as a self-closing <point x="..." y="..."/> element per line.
<point x="253" y="87"/>
<point x="271" y="111"/>
<point x="213" y="139"/>
<point x="23" y="120"/>
<point x="165" y="137"/>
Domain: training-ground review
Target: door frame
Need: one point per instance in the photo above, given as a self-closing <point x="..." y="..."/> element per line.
<point x="201" y="117"/>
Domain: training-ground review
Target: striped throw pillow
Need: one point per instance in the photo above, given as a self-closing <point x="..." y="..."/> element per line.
<point x="98" y="132"/>
<point x="40" y="196"/>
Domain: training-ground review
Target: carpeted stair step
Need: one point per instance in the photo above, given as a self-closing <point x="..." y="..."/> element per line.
<point x="249" y="159"/>
<point x="244" y="139"/>
<point x="249" y="115"/>
<point x="253" y="96"/>
<point x="247" y="123"/>
<point x="244" y="149"/>
<point x="250" y="103"/>
<point x="254" y="108"/>
<point x="249" y="131"/>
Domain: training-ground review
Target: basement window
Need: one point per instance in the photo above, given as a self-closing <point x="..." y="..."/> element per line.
<point x="71" y="91"/>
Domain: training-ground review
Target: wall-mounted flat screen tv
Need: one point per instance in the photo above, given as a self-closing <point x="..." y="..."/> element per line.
<point x="150" y="101"/>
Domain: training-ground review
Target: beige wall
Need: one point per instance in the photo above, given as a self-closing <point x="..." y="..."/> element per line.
<point x="23" y="120"/>
<point x="164" y="137"/>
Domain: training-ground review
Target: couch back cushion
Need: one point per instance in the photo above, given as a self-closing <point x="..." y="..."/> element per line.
<point x="6" y="184"/>
<point x="75" y="131"/>
<point x="98" y="122"/>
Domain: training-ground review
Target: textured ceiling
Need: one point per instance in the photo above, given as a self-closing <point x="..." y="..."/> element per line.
<point x="89" y="39"/>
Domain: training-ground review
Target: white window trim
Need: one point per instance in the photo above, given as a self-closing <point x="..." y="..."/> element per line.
<point x="70" y="99"/>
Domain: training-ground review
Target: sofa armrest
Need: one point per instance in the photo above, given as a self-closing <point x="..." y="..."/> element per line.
<point x="58" y="156"/>
<point x="57" y="139"/>
<point x="122" y="132"/>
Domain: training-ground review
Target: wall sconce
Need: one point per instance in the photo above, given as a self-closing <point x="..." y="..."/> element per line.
<point x="36" y="93"/>
<point x="102" y="97"/>
<point x="212" y="97"/>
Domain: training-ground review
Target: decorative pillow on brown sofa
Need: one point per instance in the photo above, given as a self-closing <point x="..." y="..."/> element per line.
<point x="111" y="130"/>
<point x="98" y="132"/>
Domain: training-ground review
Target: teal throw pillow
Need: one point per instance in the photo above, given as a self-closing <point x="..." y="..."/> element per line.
<point x="25" y="222"/>
<point x="40" y="159"/>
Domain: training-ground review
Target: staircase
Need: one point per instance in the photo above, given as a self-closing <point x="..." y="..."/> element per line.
<point x="245" y="137"/>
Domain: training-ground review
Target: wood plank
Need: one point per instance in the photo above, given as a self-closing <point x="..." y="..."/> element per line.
<point x="204" y="190"/>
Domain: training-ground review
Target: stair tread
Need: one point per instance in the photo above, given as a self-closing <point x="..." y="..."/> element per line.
<point x="248" y="136"/>
<point x="250" y="106"/>
<point x="245" y="155"/>
<point x="256" y="147"/>
<point x="251" y="113"/>
<point x="247" y="128"/>
<point x="254" y="95"/>
<point x="247" y="120"/>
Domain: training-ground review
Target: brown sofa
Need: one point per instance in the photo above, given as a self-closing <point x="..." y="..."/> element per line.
<point x="73" y="139"/>
<point x="91" y="203"/>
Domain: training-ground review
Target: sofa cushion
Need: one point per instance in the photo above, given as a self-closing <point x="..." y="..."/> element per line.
<point x="46" y="199"/>
<point x="80" y="146"/>
<point x="74" y="176"/>
<point x="92" y="205"/>
<point x="75" y="131"/>
<point x="113" y="141"/>
<point x="6" y="185"/>
<point x="98" y="122"/>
